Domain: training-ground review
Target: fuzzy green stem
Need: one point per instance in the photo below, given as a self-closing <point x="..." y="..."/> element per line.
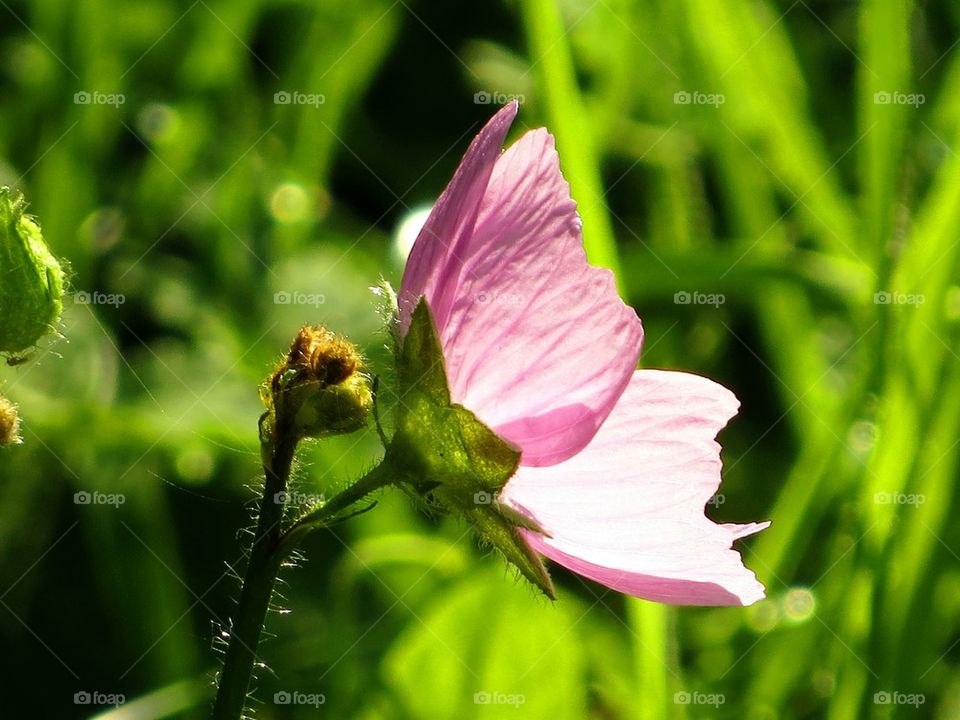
<point x="262" y="569"/>
<point x="270" y="548"/>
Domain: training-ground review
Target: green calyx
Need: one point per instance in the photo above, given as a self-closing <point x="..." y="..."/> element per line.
<point x="31" y="278"/>
<point x="443" y="451"/>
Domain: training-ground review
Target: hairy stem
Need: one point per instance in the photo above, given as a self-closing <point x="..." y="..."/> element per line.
<point x="270" y="548"/>
<point x="262" y="569"/>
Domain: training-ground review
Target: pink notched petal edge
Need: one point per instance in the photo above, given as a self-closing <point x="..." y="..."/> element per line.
<point x="628" y="510"/>
<point x="617" y="463"/>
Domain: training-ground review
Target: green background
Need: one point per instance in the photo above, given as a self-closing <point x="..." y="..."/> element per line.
<point x="798" y="198"/>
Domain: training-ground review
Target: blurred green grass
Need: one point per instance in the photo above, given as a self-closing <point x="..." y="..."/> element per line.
<point x="199" y="198"/>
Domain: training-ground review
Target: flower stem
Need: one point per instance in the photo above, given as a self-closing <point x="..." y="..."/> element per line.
<point x="270" y="548"/>
<point x="378" y="477"/>
<point x="262" y="569"/>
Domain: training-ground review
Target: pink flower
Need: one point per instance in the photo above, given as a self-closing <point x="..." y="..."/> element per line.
<point x="617" y="463"/>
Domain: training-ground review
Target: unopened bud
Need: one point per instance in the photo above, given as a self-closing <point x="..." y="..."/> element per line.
<point x="320" y="387"/>
<point x="31" y="279"/>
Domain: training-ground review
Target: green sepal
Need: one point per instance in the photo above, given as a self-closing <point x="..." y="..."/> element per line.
<point x="420" y="368"/>
<point x="334" y="410"/>
<point x="497" y="528"/>
<point x="443" y="449"/>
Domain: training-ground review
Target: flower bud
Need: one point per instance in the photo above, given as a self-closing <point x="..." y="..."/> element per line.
<point x="9" y="423"/>
<point x="320" y="388"/>
<point x="32" y="287"/>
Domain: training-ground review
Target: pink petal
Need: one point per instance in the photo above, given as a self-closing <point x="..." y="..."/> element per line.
<point x="536" y="341"/>
<point x="436" y="258"/>
<point x="628" y="511"/>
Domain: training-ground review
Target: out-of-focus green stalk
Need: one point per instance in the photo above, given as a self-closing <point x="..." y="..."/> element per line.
<point x="650" y="623"/>
<point x="169" y="701"/>
<point x="923" y="517"/>
<point x="854" y="675"/>
<point x="885" y="47"/>
<point x="557" y="81"/>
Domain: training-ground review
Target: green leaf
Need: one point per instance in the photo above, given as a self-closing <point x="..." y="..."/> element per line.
<point x="443" y="449"/>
